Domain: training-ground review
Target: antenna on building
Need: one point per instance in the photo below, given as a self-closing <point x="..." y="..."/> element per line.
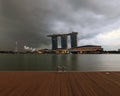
<point x="16" y="46"/>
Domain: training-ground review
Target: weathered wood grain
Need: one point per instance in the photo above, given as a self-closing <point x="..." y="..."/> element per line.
<point x="59" y="84"/>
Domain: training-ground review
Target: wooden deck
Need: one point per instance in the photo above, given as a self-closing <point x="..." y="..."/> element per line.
<point x="59" y="84"/>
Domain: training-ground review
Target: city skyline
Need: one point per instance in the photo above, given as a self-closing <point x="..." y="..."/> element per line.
<point x="30" y="21"/>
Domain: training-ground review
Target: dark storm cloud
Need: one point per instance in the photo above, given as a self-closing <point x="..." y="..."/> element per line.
<point x="30" y="21"/>
<point x="88" y="17"/>
<point x="24" y="21"/>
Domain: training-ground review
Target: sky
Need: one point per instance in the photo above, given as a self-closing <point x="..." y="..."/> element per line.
<point x="30" y="21"/>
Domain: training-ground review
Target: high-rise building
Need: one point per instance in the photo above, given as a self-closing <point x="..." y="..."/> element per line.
<point x="73" y="36"/>
<point x="64" y="42"/>
<point x="54" y="43"/>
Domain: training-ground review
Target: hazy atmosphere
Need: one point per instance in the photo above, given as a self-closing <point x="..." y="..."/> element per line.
<point x="30" y="21"/>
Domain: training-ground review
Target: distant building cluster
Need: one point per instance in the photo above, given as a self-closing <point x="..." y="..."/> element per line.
<point x="73" y="37"/>
<point x="75" y="49"/>
<point x="93" y="49"/>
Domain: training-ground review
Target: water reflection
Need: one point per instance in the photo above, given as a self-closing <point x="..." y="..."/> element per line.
<point x="49" y="62"/>
<point x="72" y="62"/>
<point x="68" y="61"/>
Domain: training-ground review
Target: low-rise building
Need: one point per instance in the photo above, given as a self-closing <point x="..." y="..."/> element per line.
<point x="62" y="51"/>
<point x="94" y="49"/>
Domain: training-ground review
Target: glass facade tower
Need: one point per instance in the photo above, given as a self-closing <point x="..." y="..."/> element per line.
<point x="64" y="41"/>
<point x="73" y="39"/>
<point x="54" y="43"/>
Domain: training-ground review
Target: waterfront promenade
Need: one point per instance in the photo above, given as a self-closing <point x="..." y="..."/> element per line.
<point x="59" y="84"/>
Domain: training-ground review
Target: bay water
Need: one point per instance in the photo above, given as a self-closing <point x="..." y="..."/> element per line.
<point x="49" y="62"/>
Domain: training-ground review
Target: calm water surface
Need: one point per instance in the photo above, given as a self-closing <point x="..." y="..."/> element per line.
<point x="49" y="62"/>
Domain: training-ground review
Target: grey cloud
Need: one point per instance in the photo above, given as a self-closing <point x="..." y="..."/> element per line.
<point x="21" y="22"/>
<point x="30" y="21"/>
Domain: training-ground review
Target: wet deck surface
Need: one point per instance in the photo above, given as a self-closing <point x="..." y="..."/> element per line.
<point x="59" y="84"/>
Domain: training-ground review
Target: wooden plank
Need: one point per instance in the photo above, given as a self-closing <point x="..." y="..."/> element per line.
<point x="59" y="83"/>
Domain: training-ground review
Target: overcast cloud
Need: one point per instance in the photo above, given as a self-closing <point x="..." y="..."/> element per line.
<point x="30" y="21"/>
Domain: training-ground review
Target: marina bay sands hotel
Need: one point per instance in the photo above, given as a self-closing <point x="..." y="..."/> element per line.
<point x="73" y="37"/>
